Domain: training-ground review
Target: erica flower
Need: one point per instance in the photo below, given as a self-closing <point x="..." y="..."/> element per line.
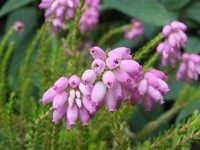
<point x="57" y="11"/>
<point x="175" y="40"/>
<point x="71" y="100"/>
<point x="18" y="27"/>
<point x="151" y="89"/>
<point x="189" y="68"/>
<point x="135" y="31"/>
<point x="90" y="16"/>
<point x="115" y="73"/>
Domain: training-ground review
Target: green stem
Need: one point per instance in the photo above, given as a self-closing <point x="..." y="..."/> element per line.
<point x="113" y="32"/>
<point x="150" y="62"/>
<point x="4" y="41"/>
<point x="148" y="47"/>
<point x="3" y="73"/>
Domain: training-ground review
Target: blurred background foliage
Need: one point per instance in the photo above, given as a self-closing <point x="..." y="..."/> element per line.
<point x="114" y="13"/>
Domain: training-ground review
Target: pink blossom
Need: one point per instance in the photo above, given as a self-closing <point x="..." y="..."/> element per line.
<point x="97" y="53"/>
<point x="175" y="39"/>
<point x="189" y="68"/>
<point x="135" y="31"/>
<point x="48" y="96"/>
<point x="18" y="27"/>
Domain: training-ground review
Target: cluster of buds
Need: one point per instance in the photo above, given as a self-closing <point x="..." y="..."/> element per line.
<point x="189" y="68"/>
<point x="57" y="11"/>
<point x="135" y="31"/>
<point x="90" y="16"/>
<point x="175" y="40"/>
<point x="152" y="88"/>
<point x="112" y="78"/>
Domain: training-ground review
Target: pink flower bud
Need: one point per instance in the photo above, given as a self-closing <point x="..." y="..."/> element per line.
<point x="89" y="105"/>
<point x="122" y="76"/>
<point x="152" y="79"/>
<point x="172" y="40"/>
<point x="109" y="79"/>
<point x="70" y="101"/>
<point x="142" y="87"/>
<point x="110" y="101"/>
<point x="84" y="116"/>
<point x="113" y="62"/>
<point x="78" y="94"/>
<point x="97" y="52"/>
<point x="120" y="52"/>
<point x="86" y="89"/>
<point x="18" y="27"/>
<point x="130" y="66"/>
<point x="59" y="113"/>
<point x="98" y="93"/>
<point x="159" y="74"/>
<point x="166" y="30"/>
<point x="60" y="99"/>
<point x="68" y="126"/>
<point x="147" y="103"/>
<point x="135" y="97"/>
<point x="181" y="71"/>
<point x="48" y="96"/>
<point x="163" y="87"/>
<point x="125" y="94"/>
<point x="155" y="94"/>
<point x="78" y="102"/>
<point x="116" y="90"/>
<point x="74" y="81"/>
<point x="72" y="114"/>
<point x="178" y="25"/>
<point x="88" y="77"/>
<point x="61" y="84"/>
<point x="160" y="48"/>
<point x="72" y="93"/>
<point x="98" y="65"/>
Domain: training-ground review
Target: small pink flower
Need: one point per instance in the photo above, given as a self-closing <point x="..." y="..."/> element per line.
<point x="61" y="84"/>
<point x="18" y="27"/>
<point x="88" y="77"/>
<point x="113" y="62"/>
<point x="72" y="114"/>
<point x="59" y="113"/>
<point x="110" y="101"/>
<point x="98" y="65"/>
<point x="122" y="76"/>
<point x="130" y="66"/>
<point x="48" y="96"/>
<point x="89" y="105"/>
<point x="84" y="115"/>
<point x="74" y="81"/>
<point x="97" y="53"/>
<point x="137" y="30"/>
<point x="121" y="53"/>
<point x="98" y="93"/>
<point x="60" y="99"/>
<point x="109" y="79"/>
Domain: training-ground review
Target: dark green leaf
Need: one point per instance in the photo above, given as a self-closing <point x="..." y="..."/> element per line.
<point x="175" y="88"/>
<point x="193" y="45"/>
<point x="151" y="11"/>
<point x="173" y="4"/>
<point x="12" y="5"/>
<point x="193" y="11"/>
<point x="188" y="111"/>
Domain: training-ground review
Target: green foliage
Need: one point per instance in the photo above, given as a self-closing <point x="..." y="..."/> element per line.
<point x="178" y="137"/>
<point x="11" y="5"/>
<point x="152" y="12"/>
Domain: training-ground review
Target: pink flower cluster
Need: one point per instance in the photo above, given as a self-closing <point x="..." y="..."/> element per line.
<point x="135" y="31"/>
<point x="112" y="77"/>
<point x="189" y="68"/>
<point x="175" y="40"/>
<point x="58" y="11"/>
<point x="152" y="88"/>
<point x="90" y="16"/>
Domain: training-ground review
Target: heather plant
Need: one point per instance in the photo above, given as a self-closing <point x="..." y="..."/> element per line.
<point x="91" y="74"/>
